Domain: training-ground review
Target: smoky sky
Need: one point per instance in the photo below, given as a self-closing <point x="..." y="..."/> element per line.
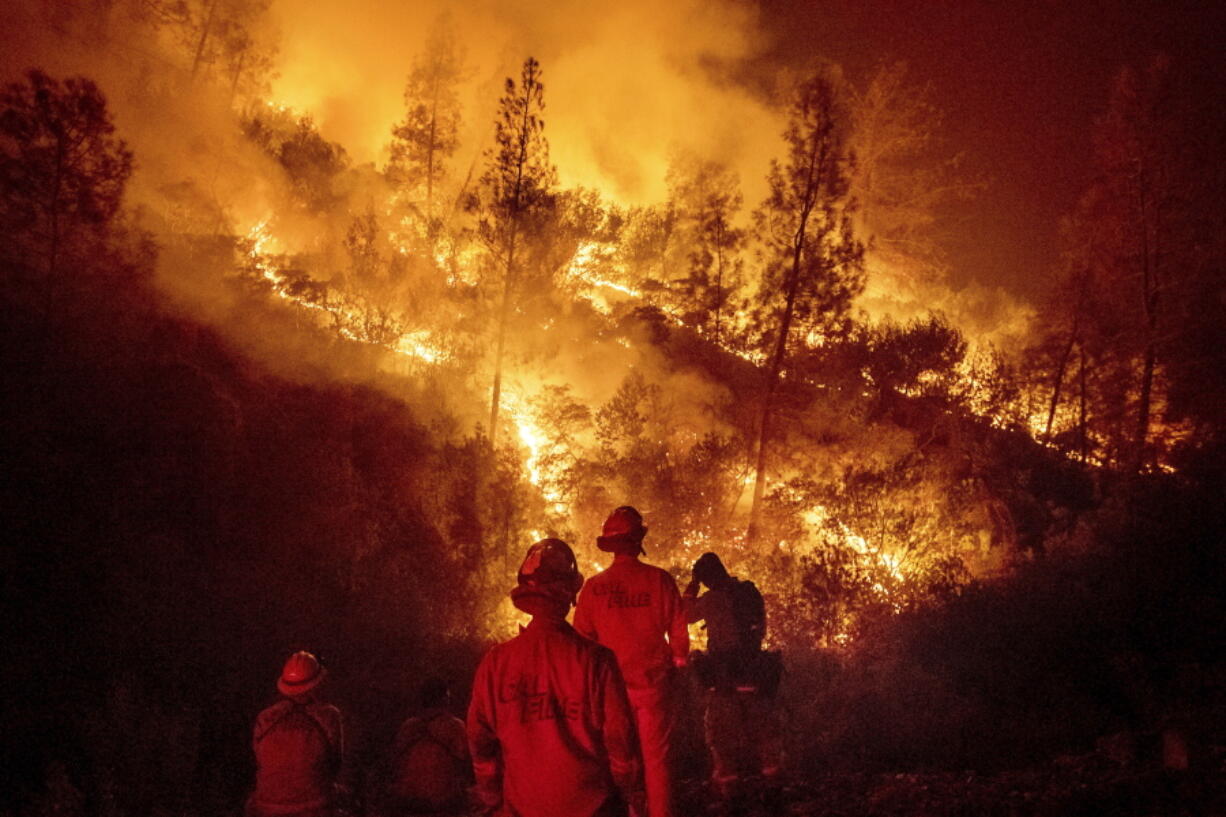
<point x="630" y="84"/>
<point x="1021" y="84"/>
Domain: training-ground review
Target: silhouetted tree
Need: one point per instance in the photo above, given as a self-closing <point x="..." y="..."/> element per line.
<point x="311" y="162"/>
<point x="1137" y="247"/>
<point x="706" y="198"/>
<point x="812" y="265"/>
<point x="217" y="35"/>
<point x="649" y="248"/>
<point x="425" y="139"/>
<point x="62" y="169"/>
<point x="902" y="178"/>
<point x="516" y="189"/>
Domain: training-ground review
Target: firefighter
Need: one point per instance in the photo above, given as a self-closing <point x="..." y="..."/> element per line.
<point x="549" y="727"/>
<point x="430" y="767"/>
<point x="741" y="726"/>
<point x="299" y="745"/>
<point x="635" y="610"/>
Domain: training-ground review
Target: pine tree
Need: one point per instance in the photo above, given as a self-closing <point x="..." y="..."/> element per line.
<point x="812" y="265"/>
<point x="62" y="169"/>
<point x="706" y="197"/>
<point x="429" y="134"/>
<point x="516" y="190"/>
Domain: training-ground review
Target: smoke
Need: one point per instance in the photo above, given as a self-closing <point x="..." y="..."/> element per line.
<point x="625" y="87"/>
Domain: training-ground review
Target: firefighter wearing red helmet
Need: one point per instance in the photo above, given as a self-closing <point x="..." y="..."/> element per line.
<point x="549" y="727"/>
<point x="634" y="609"/>
<point x="298" y="744"/>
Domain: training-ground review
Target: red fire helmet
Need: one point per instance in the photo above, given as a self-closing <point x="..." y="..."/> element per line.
<point x="551" y="570"/>
<point x="302" y="673"/>
<point x="623" y="531"/>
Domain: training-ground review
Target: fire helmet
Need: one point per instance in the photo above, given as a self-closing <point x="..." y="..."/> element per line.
<point x="302" y="673"/>
<point x="623" y="531"/>
<point x="549" y="570"/>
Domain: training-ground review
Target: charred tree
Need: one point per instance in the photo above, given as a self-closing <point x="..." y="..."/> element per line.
<point x="813" y="267"/>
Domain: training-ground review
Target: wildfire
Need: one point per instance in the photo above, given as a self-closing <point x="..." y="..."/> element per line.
<point x="537" y="440"/>
<point x="348" y="320"/>
<point x="584" y="273"/>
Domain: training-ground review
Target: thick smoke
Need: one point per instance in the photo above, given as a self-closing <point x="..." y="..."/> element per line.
<point x="625" y="87"/>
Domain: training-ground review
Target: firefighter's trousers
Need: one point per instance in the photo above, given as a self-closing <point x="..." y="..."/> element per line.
<point x="655" y="715"/>
<point x="742" y="731"/>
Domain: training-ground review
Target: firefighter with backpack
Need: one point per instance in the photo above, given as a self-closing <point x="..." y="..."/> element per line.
<point x="741" y="725"/>
<point x="299" y="745"/>
<point x="430" y="765"/>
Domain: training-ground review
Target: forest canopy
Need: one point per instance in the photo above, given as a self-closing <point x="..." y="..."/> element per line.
<point x="266" y="393"/>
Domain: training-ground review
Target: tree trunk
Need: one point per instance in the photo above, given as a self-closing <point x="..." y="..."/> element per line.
<point x="204" y="38"/>
<point x="1081" y="413"/>
<point x="503" y="317"/>
<point x="238" y="72"/>
<point x="816" y="157"/>
<point x="719" y="278"/>
<point x="772" y="380"/>
<point x="1149" y="304"/>
<point x="1058" y="383"/>
<point x="430" y="163"/>
<point x="505" y="311"/>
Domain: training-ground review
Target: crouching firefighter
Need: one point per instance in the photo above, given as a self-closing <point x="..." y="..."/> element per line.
<point x="741" y="724"/>
<point x="299" y="744"/>
<point x="550" y="727"/>
<point x="635" y="610"/>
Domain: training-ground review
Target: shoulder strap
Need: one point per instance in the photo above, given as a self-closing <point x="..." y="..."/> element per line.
<point x="423" y="733"/>
<point x="315" y="724"/>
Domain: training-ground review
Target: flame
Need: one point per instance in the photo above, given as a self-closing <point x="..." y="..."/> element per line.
<point x="417" y="345"/>
<point x="537" y="440"/>
<point x="584" y="274"/>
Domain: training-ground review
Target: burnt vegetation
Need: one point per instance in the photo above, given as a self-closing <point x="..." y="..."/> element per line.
<point x="974" y="559"/>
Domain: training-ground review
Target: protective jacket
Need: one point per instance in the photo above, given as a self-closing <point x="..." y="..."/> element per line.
<point x="631" y="607"/>
<point x="298" y="750"/>
<point x="550" y="728"/>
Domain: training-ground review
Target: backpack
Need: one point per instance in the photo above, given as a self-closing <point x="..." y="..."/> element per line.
<point x="426" y="771"/>
<point x="749" y="613"/>
<point x="296" y="757"/>
<point x="746" y="668"/>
